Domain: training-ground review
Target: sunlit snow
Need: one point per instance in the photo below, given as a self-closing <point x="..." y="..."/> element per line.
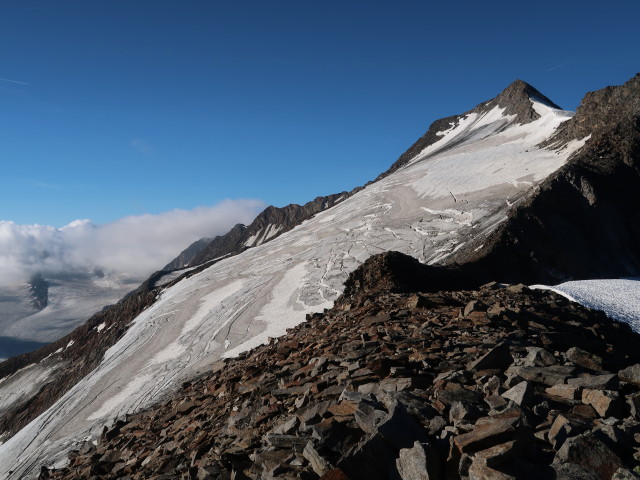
<point x="618" y="298"/>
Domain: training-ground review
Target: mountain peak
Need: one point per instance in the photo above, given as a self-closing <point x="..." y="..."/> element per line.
<point x="516" y="100"/>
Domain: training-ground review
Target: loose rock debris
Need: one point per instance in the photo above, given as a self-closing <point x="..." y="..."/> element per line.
<point x="497" y="383"/>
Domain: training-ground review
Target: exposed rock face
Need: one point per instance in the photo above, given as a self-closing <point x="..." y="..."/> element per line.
<point x="610" y="116"/>
<point x="271" y="223"/>
<point x="187" y="255"/>
<point x="515" y="99"/>
<point x="39" y="289"/>
<point x="584" y="222"/>
<point x="395" y="385"/>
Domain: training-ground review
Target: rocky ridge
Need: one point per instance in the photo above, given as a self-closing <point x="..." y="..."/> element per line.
<point x="501" y="382"/>
<point x="187" y="255"/>
<point x="610" y="116"/>
<point x="269" y="224"/>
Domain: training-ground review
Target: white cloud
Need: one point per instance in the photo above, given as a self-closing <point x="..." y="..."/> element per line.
<point x="135" y="245"/>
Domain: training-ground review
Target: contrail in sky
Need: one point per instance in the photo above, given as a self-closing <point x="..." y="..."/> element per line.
<point x="561" y="65"/>
<point x="13" y="81"/>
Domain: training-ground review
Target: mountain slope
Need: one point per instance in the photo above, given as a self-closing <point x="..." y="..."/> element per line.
<point x="445" y="200"/>
<point x="584" y="222"/>
<point x="269" y="224"/>
<point x="515" y="100"/>
<point x="187" y="255"/>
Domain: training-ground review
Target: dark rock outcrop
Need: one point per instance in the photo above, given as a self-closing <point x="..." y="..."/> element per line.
<point x="395" y="272"/>
<point x="610" y="117"/>
<point x="39" y="289"/>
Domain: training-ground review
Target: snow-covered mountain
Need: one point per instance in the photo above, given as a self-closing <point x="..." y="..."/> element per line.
<point x="458" y="194"/>
<point x="37" y="313"/>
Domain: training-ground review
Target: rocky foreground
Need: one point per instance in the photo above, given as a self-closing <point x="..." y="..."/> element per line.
<point x="500" y="382"/>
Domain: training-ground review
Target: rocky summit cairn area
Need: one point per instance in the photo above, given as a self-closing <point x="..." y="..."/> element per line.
<point x="500" y="382"/>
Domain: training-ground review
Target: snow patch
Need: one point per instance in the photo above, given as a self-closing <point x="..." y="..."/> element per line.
<point x="574" y="145"/>
<point x="272" y="231"/>
<point x="252" y="239"/>
<point x="618" y="298"/>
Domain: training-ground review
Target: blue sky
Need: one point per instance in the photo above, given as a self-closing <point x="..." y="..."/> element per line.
<point x="118" y="108"/>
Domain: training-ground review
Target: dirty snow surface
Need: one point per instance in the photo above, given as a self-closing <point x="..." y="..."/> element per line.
<point x="618" y="298"/>
<point x="456" y="190"/>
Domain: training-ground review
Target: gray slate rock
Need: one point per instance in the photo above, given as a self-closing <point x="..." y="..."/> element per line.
<point x="584" y="359"/>
<point x="624" y="474"/>
<point x="317" y="462"/>
<point x="521" y="394"/>
<point x="630" y="374"/>
<point x="539" y="357"/>
<point x="596" y="382"/>
<point x="550" y="376"/>
<point x="420" y="462"/>
<point x="572" y="471"/>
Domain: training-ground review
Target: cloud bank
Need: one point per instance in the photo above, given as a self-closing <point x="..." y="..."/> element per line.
<point x="135" y="245"/>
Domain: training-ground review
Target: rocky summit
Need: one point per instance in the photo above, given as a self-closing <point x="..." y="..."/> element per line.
<point x="500" y="382"/>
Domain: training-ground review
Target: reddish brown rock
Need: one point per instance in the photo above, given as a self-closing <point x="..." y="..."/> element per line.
<point x="606" y="402"/>
<point x="488" y="431"/>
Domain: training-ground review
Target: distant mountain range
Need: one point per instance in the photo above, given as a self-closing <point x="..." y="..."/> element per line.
<point x="514" y="190"/>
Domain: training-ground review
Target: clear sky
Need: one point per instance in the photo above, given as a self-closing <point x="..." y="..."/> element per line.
<point x="111" y="108"/>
